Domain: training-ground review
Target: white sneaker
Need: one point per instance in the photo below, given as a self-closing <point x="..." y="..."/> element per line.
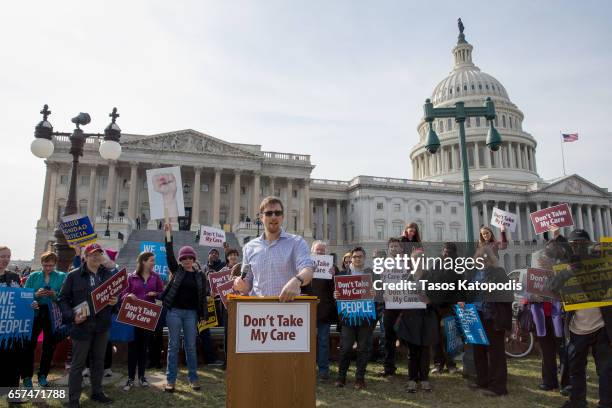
<point x="128" y="385"/>
<point x="86" y="372"/>
<point x="108" y="372"/>
<point x="144" y="382"/>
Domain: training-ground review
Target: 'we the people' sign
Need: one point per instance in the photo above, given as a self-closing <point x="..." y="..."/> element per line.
<point x="272" y="327"/>
<point x="559" y="215"/>
<point x="16" y="316"/>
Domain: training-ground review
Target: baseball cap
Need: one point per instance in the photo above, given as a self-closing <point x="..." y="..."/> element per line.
<point x="91" y="248"/>
<point x="579" y="235"/>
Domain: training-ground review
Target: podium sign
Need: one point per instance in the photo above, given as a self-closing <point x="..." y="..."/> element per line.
<point x="271" y="350"/>
<point x="273" y="328"/>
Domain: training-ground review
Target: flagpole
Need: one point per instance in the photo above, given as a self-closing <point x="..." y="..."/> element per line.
<point x="562" y="153"/>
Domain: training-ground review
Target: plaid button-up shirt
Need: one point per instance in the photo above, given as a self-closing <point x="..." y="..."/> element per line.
<point x="274" y="264"/>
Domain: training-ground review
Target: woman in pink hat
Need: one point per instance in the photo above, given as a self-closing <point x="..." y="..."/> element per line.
<point x="185" y="301"/>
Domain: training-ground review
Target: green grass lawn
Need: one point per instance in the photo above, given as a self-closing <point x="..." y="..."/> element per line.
<point x="449" y="391"/>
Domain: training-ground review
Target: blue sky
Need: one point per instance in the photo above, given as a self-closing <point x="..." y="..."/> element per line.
<point x="344" y="81"/>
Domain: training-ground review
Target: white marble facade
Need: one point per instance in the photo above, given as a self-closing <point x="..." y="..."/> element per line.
<point x="223" y="182"/>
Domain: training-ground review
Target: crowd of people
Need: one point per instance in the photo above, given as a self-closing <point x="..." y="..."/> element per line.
<point x="280" y="264"/>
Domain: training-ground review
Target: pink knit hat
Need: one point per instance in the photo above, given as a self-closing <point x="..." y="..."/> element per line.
<point x="185" y="252"/>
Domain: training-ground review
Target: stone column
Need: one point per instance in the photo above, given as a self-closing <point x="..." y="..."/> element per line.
<point x="338" y="223"/>
<point x="485" y="213"/>
<point x="325" y="224"/>
<point x="539" y="237"/>
<point x="256" y="195"/>
<point x="236" y="199"/>
<point x="111" y="185"/>
<point x="487" y="157"/>
<point x="519" y="156"/>
<point x="500" y="162"/>
<point x="476" y="155"/>
<point x="132" y="192"/>
<point x="195" y="204"/>
<point x="511" y="155"/>
<point x="45" y="206"/>
<point x="579" y="221"/>
<point x="307" y="211"/>
<point x="519" y="228"/>
<point x="475" y="221"/>
<point x="288" y="211"/>
<point x="606" y="217"/>
<point x="598" y="223"/>
<point x="216" y="199"/>
<point x="589" y="223"/>
<point x="453" y="160"/>
<point x="93" y="189"/>
<point x="52" y="210"/>
<point x="271" y="186"/>
<point x="528" y="226"/>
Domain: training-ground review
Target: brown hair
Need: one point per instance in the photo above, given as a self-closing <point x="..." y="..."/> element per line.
<point x="417" y="234"/>
<point x="270" y="200"/>
<point x="3" y="248"/>
<point x="481" y="240"/>
<point x="142" y="258"/>
<point x="229" y="252"/>
<point x="48" y="257"/>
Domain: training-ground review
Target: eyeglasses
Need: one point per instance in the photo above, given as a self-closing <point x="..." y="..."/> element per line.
<point x="276" y="213"/>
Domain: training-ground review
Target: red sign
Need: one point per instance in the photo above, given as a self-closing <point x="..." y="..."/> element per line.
<point x="139" y="313"/>
<point x="101" y="295"/>
<point x="559" y="215"/>
<point x="226" y="289"/>
<point x="354" y="287"/>
<point x="218" y="278"/>
<point x="536" y="282"/>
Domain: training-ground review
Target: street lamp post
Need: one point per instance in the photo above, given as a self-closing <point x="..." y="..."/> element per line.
<point x="258" y="223"/>
<point x="108" y="214"/>
<point x="460" y="113"/>
<point x="43" y="147"/>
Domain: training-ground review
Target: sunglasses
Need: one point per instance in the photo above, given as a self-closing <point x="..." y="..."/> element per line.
<point x="277" y="213"/>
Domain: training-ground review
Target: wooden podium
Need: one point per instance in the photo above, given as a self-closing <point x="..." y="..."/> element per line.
<point x="267" y="366"/>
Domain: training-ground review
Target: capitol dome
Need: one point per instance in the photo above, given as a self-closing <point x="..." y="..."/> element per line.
<point x="514" y="161"/>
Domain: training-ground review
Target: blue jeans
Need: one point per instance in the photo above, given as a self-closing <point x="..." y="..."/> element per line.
<point x="187" y="320"/>
<point x="323" y="347"/>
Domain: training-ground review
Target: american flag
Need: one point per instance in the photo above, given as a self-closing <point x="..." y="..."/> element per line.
<point x="569" y="137"/>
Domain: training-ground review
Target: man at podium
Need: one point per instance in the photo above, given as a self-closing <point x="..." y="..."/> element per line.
<point x="275" y="263"/>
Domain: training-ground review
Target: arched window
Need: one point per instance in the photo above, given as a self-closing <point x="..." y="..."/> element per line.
<point x="449" y="124"/>
<point x="477" y="121"/>
<point x="441" y="126"/>
<point x="465" y="87"/>
<point x="510" y="121"/>
<point x="503" y="120"/>
<point x="480" y="86"/>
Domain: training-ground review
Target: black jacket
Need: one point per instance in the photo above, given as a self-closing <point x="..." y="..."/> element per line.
<point x="498" y="303"/>
<point x="9" y="279"/>
<point x="326" y="308"/>
<point x="178" y="273"/>
<point x="77" y="289"/>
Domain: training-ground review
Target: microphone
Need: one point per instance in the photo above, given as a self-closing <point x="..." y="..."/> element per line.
<point x="246" y="268"/>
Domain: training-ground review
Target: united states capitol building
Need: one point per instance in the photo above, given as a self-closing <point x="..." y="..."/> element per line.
<point x="223" y="182"/>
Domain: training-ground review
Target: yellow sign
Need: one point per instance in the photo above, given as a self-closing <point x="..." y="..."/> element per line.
<point x="589" y="284"/>
<point x="212" y="316"/>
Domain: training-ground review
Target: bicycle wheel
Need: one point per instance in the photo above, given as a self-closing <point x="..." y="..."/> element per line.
<point x="518" y="343"/>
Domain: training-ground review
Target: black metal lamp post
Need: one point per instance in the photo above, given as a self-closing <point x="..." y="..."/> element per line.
<point x="43" y="147"/>
<point x="258" y="223"/>
<point x="108" y="214"/>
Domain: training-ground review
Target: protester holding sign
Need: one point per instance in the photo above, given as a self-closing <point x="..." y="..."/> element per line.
<point x="185" y="300"/>
<point x="495" y="312"/>
<point x="354" y="328"/>
<point x="326" y="311"/>
<point x="588" y="328"/>
<point x="418" y="328"/>
<point x="89" y="331"/>
<point x="9" y="374"/>
<point x="143" y="284"/>
<point x="47" y="285"/>
<point x="279" y="263"/>
<point x="442" y="302"/>
<point x="487" y="238"/>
